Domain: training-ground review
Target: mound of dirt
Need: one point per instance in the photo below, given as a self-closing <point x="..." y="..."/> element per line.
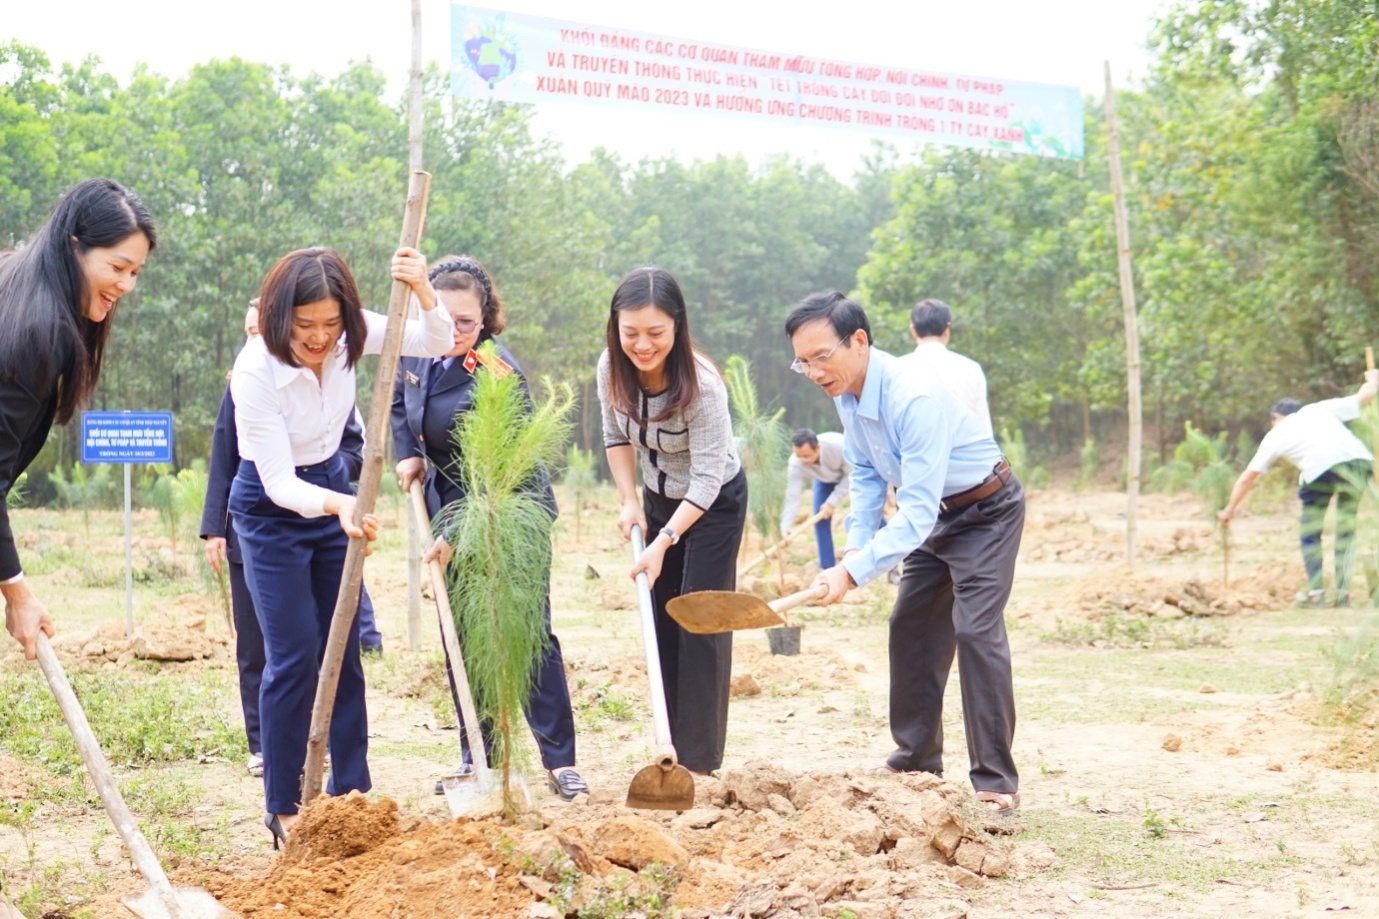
<point x="164" y="642"/>
<point x="1072" y="538"/>
<point x="1148" y="594"/>
<point x="760" y="842"/>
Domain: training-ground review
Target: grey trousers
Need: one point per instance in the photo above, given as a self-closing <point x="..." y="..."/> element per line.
<point x="952" y="599"/>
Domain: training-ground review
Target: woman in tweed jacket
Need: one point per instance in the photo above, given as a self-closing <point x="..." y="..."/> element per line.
<point x="666" y="406"/>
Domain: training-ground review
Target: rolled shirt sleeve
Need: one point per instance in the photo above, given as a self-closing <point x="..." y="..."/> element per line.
<point x="430" y="336"/>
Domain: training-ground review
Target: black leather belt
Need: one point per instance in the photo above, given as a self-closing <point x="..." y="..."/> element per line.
<point x="988" y="486"/>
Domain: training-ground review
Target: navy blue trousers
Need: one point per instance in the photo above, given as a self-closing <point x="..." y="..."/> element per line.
<point x="548" y="710"/>
<point x="292" y="565"/>
<point x="823" y="530"/>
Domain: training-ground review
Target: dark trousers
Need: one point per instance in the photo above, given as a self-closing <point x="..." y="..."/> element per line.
<point x="548" y="710"/>
<point x="823" y="530"/>
<point x="1347" y="481"/>
<point x="951" y="600"/>
<point x="696" y="670"/>
<point x="292" y="565"/>
<point x="249" y="654"/>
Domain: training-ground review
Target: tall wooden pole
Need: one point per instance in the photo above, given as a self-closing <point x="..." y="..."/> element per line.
<point x="1132" y="329"/>
<point x="414" y="535"/>
<point x="375" y="438"/>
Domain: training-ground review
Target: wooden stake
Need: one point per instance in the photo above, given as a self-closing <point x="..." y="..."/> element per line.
<point x="376" y="436"/>
<point x="1132" y="334"/>
<point x="415" y="542"/>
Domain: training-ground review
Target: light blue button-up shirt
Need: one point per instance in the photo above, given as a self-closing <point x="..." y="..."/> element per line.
<point x="908" y="432"/>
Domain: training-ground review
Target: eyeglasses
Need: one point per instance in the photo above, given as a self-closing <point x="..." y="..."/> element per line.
<point x="800" y="366"/>
<point x="465" y="326"/>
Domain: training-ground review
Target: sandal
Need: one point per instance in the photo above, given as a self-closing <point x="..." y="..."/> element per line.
<point x="999" y="803"/>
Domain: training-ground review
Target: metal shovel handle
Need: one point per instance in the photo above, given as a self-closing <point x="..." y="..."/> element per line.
<point x="91" y="755"/>
<point x="660" y="715"/>
<point x="478" y="752"/>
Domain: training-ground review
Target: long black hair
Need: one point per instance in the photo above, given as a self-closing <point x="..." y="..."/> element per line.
<point x="44" y="332"/>
<point x="641" y="288"/>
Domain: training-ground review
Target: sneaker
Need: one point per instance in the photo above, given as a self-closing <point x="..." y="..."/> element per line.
<point x="567" y="783"/>
<point x="464" y="770"/>
<point x="255" y="765"/>
<point x="1310" y="598"/>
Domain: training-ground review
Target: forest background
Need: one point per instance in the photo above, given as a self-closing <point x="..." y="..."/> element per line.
<point x="1251" y="153"/>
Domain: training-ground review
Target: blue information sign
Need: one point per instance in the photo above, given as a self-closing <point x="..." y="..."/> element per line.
<point x="126" y="437"/>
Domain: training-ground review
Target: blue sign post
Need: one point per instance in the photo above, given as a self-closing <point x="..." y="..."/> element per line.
<point x="127" y="438"/>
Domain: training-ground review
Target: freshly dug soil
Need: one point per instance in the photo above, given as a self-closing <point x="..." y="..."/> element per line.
<point x="760" y="842"/>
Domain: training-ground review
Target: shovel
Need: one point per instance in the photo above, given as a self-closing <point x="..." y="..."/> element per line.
<point x="707" y="612"/>
<point x="161" y="900"/>
<point x="784" y="540"/>
<point x="461" y="792"/>
<point x="665" y="784"/>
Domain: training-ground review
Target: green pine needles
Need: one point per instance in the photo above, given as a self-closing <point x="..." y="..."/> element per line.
<point x="765" y="447"/>
<point x="500" y="532"/>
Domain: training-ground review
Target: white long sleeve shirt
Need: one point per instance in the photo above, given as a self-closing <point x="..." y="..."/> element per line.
<point x="957" y="373"/>
<point x="831" y="469"/>
<point x="287" y="418"/>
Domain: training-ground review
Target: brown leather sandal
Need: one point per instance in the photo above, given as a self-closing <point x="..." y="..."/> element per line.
<point x="999" y="803"/>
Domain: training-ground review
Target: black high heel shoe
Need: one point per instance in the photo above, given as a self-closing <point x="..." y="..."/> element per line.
<point x="275" y="826"/>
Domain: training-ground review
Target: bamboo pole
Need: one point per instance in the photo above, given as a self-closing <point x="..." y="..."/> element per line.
<point x="347" y="604"/>
<point x="1135" y="408"/>
<point x="415" y="542"/>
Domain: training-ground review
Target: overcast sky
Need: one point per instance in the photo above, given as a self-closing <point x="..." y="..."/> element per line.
<point x="1053" y="41"/>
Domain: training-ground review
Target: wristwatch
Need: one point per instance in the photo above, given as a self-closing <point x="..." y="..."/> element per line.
<point x="670" y="534"/>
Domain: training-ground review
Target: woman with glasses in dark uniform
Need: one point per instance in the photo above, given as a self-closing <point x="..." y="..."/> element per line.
<point x="429" y="399"/>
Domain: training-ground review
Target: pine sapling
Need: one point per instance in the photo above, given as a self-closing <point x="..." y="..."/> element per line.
<point x="500" y="532"/>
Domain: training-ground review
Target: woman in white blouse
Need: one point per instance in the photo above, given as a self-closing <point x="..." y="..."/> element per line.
<point x="294" y="389"/>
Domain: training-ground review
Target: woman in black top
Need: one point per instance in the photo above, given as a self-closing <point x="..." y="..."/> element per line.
<point x="56" y="297"/>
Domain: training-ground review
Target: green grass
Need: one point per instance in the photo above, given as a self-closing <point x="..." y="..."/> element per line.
<point x="140" y="720"/>
<point x="1148" y="847"/>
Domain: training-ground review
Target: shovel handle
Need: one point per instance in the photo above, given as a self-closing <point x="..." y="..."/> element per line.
<point x="91" y="755"/>
<point x="477" y="751"/>
<point x="773" y="549"/>
<point x="798" y="598"/>
<point x="660" y="715"/>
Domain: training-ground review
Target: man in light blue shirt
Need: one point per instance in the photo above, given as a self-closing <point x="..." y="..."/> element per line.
<point x="959" y="516"/>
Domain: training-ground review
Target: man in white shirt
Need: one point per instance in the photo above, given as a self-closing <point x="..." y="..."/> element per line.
<point x="818" y="457"/>
<point x="1331" y="461"/>
<point x="931" y="324"/>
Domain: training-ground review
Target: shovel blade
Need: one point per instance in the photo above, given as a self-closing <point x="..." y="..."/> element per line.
<point x="180" y="903"/>
<point x="708" y="612"/>
<point x="658" y="788"/>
